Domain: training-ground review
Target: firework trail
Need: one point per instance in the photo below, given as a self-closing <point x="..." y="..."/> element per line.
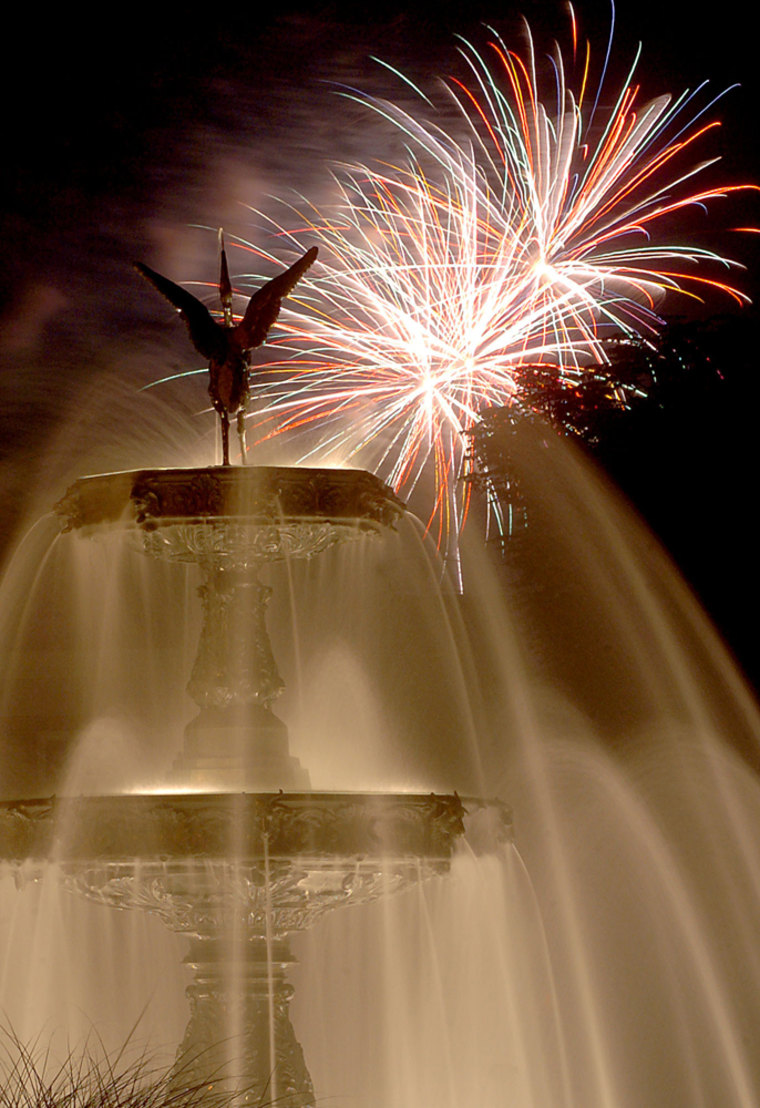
<point x="511" y="244"/>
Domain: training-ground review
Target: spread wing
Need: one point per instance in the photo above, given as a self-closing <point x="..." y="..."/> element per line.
<point x="207" y="335"/>
<point x="264" y="306"/>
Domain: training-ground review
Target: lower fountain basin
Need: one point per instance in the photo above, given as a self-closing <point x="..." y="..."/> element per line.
<point x="203" y="861"/>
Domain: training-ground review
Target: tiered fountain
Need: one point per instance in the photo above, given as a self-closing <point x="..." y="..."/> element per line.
<point x="622" y="971"/>
<point x="238" y="853"/>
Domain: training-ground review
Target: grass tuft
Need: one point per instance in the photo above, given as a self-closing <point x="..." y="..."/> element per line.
<point x="30" y="1079"/>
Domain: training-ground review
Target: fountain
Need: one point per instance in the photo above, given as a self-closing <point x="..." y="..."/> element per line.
<point x="239" y="864"/>
<point x="612" y="963"/>
<point x="623" y="970"/>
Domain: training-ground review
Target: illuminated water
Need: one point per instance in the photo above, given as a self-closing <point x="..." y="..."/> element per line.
<point x="613" y="962"/>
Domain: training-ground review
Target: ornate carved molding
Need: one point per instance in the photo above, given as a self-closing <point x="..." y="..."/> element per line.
<point x="234" y="664"/>
<point x="309" y="506"/>
<point x="239" y="545"/>
<point x="234" y="826"/>
<point x="232" y="898"/>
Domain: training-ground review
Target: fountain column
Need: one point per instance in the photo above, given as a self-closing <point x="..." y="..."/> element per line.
<point x="240" y="1036"/>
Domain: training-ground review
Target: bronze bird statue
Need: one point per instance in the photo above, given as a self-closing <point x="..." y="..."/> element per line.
<point x="228" y="345"/>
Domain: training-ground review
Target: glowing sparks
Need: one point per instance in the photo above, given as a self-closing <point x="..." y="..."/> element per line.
<point x="520" y="241"/>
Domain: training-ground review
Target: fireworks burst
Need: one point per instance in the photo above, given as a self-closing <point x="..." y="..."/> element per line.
<point x="507" y="246"/>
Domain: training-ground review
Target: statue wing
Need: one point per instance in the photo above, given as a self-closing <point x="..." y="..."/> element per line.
<point x="264" y="306"/>
<point x="205" y="332"/>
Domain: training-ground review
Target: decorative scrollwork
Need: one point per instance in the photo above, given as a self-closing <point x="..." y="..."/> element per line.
<point x="235" y="545"/>
<point x="234" y="664"/>
<point x="260" y="496"/>
<point x="219" y="897"/>
<point x="184" y="826"/>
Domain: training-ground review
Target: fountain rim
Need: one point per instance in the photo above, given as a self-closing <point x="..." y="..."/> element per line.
<point x="238" y="827"/>
<point x="256" y="495"/>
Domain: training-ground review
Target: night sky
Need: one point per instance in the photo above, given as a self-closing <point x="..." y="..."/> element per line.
<point x="124" y="144"/>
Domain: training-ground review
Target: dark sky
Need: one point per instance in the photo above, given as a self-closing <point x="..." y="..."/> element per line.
<point x="120" y="143"/>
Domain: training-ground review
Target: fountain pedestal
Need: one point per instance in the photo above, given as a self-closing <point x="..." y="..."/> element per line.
<point x="240" y="1035"/>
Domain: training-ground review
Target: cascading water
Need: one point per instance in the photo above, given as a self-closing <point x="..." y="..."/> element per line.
<point x="611" y="962"/>
<point x="235" y="867"/>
